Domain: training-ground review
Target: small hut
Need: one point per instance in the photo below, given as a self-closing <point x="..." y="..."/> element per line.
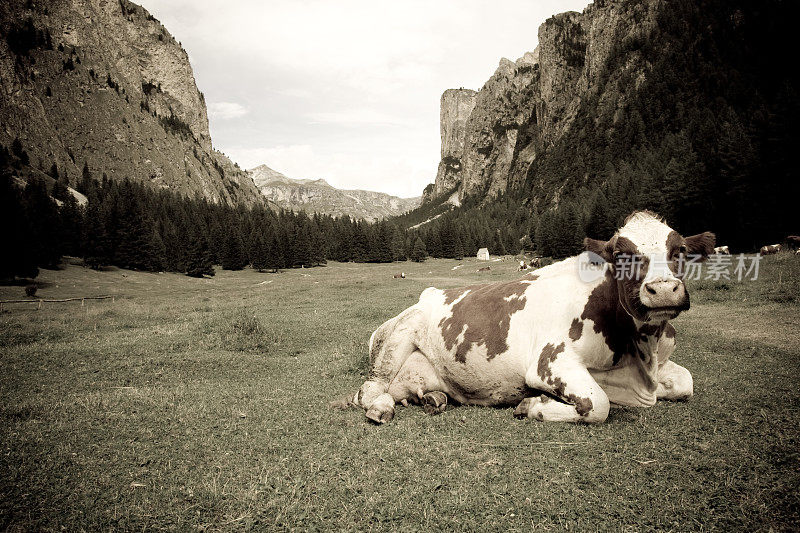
<point x="483" y="254"/>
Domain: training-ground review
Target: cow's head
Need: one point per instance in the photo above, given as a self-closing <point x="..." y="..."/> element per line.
<point x="648" y="261"/>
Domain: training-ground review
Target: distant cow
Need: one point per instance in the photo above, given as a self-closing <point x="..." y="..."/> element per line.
<point x="400" y="275"/>
<point x="484" y="269"/>
<point x="770" y="249"/>
<point x="522" y="266"/>
<point x="535" y="263"/>
<point x="556" y="345"/>
<point x="722" y="250"/>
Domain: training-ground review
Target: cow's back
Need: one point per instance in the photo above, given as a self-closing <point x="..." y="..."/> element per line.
<point x="482" y="339"/>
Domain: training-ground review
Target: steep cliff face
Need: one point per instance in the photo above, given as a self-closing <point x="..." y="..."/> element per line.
<point x="102" y="83"/>
<point x="456" y="106"/>
<point x="528" y="105"/>
<point x="318" y="196"/>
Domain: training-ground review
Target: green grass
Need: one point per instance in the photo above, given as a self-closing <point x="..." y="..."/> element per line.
<point x="201" y="404"/>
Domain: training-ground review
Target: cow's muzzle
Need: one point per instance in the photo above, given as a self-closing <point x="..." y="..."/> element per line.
<point x="664" y="293"/>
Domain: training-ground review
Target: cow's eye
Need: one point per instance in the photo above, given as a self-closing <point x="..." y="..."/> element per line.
<point x="682" y="249"/>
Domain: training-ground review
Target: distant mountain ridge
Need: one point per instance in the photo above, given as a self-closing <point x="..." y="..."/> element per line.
<point x="318" y="196"/>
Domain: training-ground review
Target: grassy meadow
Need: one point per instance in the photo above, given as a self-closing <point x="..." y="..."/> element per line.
<point x="201" y="404"/>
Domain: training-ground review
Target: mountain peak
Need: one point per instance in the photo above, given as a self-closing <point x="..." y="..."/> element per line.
<point x="318" y="196"/>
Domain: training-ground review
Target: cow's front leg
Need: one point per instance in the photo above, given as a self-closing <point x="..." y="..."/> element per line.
<point x="674" y="382"/>
<point x="559" y="373"/>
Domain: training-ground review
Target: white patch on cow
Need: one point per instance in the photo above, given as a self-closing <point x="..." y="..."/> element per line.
<point x="647" y="232"/>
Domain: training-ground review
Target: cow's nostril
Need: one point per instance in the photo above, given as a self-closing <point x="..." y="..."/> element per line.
<point x="675" y="288"/>
<point x="650" y="289"/>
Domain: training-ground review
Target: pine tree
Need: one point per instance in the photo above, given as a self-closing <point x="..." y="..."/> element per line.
<point x="418" y="253"/>
<point x="18" y="258"/>
<point x="233" y="257"/>
<point x="275" y="260"/>
<point x="95" y="238"/>
<point x="259" y="251"/>
<point x="198" y="261"/>
<point x="43" y="218"/>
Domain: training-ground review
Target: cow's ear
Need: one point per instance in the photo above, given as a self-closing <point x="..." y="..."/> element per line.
<point x="601" y="248"/>
<point x="701" y="244"/>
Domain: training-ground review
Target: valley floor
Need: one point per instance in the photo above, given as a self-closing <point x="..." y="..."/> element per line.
<point x="202" y="404"/>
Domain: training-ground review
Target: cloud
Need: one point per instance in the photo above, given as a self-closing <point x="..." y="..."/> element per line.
<point x="347" y="91"/>
<point x="226" y="110"/>
<point x="354" y="117"/>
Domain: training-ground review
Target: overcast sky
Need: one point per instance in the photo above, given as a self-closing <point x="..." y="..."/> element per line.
<point x="347" y="91"/>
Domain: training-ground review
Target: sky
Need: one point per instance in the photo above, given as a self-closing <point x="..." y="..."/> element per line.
<point x="347" y="91"/>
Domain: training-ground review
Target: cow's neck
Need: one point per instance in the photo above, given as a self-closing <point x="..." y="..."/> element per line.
<point x="639" y="343"/>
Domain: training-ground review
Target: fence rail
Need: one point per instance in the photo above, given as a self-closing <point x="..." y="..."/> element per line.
<point x="40" y="301"/>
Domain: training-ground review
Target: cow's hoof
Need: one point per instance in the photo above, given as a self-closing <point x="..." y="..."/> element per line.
<point x="380" y="417"/>
<point x="434" y="402"/>
<point x="523" y="408"/>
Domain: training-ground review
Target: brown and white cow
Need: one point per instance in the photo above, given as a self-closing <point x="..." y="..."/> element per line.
<point x="559" y="344"/>
<point x="770" y="249"/>
<point x="722" y="250"/>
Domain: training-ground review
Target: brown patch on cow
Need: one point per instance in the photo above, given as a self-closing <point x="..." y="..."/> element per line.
<point x="610" y="319"/>
<point x="669" y="330"/>
<point x="625" y="246"/>
<point x="451" y="295"/>
<point x="548" y="355"/>
<point x="650" y="330"/>
<point x="576" y="329"/>
<point x="674" y="242"/>
<point x="582" y="405"/>
<point x="483" y="316"/>
<point x="546" y="358"/>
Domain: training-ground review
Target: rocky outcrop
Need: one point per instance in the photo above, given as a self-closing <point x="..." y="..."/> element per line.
<point x="528" y="105"/>
<point x="102" y="83"/>
<point x="318" y="196"/>
<point x="456" y="107"/>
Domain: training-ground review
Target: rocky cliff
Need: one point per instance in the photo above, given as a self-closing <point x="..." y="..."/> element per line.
<point x="528" y="105"/>
<point x="456" y="107"/>
<point x="317" y="196"/>
<point x="102" y="83"/>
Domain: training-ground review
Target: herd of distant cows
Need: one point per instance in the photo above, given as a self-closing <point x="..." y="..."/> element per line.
<point x="556" y="347"/>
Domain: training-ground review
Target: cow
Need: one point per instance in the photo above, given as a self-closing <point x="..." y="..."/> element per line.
<point x="536" y="262"/>
<point x="522" y="266"/>
<point x="484" y="269"/>
<point x="401" y="275"/>
<point x="722" y="250"/>
<point x="558" y="344"/>
<point x="770" y="249"/>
